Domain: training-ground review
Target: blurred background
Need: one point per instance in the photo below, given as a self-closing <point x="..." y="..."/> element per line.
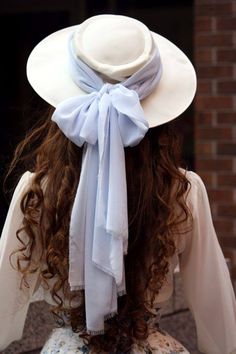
<point x="30" y="21"/>
<point x="204" y="29"/>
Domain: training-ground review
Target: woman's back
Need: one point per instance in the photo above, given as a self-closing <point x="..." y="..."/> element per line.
<point x="196" y="248"/>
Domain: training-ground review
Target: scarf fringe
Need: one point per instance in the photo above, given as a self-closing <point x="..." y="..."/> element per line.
<point x="81" y="287"/>
<point x="107" y="317"/>
<point x="77" y="287"/>
<point x="102" y="331"/>
<point x="96" y="333"/>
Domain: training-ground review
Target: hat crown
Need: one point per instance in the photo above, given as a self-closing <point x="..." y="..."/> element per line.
<point x="111" y="43"/>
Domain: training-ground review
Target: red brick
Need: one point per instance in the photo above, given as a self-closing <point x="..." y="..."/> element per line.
<point x="227" y="241"/>
<point x="214" y="71"/>
<point x="217" y="133"/>
<point x="233" y="270"/>
<point x="214" y="165"/>
<point x="204" y="87"/>
<point x="228" y="210"/>
<point x="208" y="178"/>
<point x="226" y="23"/>
<point x="215" y="57"/>
<point x="226" y="55"/>
<point x="203" y="24"/>
<point x="226" y="87"/>
<point x="204" y="118"/>
<point x="220" y="195"/>
<point x="226" y="149"/>
<point x="226" y="180"/>
<point x="226" y="118"/>
<point x="214" y="102"/>
<point x="204" y="148"/>
<point x="214" y="9"/>
<point x="204" y="55"/>
<point x="224" y="226"/>
<point x="214" y="40"/>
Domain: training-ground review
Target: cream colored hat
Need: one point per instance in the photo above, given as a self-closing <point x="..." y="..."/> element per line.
<point x="116" y="47"/>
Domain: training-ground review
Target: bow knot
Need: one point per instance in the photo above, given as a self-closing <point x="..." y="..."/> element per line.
<point x="87" y="118"/>
<point x="105" y="89"/>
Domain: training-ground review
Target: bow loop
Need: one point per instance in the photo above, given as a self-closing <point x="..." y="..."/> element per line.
<point x="77" y="118"/>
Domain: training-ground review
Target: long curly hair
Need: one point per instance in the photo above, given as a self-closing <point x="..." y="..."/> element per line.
<point x="157" y="212"/>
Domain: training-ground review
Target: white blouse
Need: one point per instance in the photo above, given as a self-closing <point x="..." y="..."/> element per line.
<point x="206" y="281"/>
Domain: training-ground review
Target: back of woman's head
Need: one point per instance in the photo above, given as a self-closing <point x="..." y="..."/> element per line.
<point x="157" y="215"/>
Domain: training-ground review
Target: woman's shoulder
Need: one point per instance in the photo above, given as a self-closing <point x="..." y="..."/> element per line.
<point x="23" y="183"/>
<point x="25" y="179"/>
<point x="197" y="189"/>
<point x="195" y="181"/>
<point x="192" y="176"/>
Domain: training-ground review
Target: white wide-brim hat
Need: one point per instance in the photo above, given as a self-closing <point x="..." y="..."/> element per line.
<point x="114" y="46"/>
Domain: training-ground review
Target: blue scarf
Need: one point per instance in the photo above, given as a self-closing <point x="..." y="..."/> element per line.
<point x="104" y="121"/>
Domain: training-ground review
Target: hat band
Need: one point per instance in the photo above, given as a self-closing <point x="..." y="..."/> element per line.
<point x="104" y="121"/>
<point x="143" y="81"/>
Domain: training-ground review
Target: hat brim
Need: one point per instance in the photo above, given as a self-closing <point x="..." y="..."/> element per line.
<point x="48" y="74"/>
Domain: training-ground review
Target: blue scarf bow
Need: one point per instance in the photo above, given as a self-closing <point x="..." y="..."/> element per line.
<point x="104" y="121"/>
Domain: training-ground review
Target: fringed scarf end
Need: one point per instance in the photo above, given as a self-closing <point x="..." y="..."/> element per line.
<point x="77" y="287"/>
<point x="95" y="333"/>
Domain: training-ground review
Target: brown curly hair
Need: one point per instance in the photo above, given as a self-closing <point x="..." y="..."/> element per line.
<point x="157" y="190"/>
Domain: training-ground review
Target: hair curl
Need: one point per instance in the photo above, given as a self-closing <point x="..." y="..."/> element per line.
<point x="156" y="209"/>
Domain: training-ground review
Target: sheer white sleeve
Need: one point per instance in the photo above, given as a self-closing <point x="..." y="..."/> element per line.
<point x="206" y="281"/>
<point x="14" y="302"/>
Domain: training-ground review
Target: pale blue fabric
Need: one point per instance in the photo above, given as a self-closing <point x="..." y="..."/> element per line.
<point x="103" y="121"/>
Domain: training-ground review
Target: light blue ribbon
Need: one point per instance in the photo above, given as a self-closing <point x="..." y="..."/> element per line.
<point x="105" y="120"/>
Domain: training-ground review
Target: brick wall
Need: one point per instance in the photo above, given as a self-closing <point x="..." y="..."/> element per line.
<point x="215" y="107"/>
